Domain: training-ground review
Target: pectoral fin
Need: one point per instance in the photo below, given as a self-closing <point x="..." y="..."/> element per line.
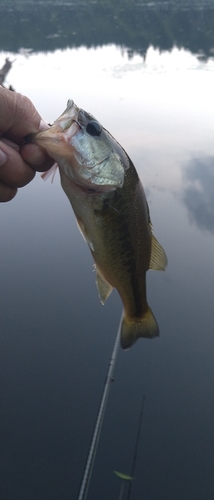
<point x="84" y="234"/>
<point x="104" y="288"/>
<point x="158" y="258"/>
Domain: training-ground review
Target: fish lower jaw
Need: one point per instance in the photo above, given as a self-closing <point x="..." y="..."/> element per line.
<point x="75" y="185"/>
<point x="83" y="185"/>
<point x="86" y="189"/>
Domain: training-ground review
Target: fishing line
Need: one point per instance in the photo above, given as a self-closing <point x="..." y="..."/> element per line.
<point x="96" y="434"/>
<point x="136" y="446"/>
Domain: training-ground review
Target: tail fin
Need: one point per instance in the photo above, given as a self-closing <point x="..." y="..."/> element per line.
<point x="133" y="328"/>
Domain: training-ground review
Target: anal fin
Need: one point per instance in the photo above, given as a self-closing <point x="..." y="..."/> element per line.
<point x="158" y="258"/>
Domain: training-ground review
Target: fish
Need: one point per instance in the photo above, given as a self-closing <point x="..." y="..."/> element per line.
<point x="112" y="213"/>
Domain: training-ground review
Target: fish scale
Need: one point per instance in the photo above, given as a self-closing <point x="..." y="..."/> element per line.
<point x="112" y="213"/>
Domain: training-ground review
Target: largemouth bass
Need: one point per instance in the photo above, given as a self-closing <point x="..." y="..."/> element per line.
<point x="112" y="213"/>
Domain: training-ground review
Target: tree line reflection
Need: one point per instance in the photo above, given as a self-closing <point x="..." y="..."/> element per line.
<point x="48" y="26"/>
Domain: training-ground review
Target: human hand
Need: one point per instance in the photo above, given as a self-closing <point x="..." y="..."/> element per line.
<point x="18" y="163"/>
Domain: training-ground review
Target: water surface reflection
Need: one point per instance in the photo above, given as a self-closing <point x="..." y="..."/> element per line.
<point x="198" y="193"/>
<point x="56" y="337"/>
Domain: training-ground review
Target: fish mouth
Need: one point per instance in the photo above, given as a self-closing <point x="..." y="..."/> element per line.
<point x="65" y="127"/>
<point x="55" y="139"/>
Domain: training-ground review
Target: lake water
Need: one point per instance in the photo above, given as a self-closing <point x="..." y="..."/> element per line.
<point x="57" y="339"/>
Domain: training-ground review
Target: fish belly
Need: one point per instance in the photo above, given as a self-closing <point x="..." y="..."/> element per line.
<point x="117" y="230"/>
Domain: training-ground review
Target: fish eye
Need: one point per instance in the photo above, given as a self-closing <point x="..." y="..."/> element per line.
<point x="93" y="128"/>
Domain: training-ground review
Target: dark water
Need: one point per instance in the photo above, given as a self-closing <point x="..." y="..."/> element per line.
<point x="56" y="338"/>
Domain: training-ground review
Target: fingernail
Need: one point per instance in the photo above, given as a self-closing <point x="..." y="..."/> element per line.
<point x="3" y="157"/>
<point x="43" y="126"/>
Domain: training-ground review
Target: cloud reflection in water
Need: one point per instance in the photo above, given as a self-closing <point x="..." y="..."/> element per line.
<point x="198" y="194"/>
